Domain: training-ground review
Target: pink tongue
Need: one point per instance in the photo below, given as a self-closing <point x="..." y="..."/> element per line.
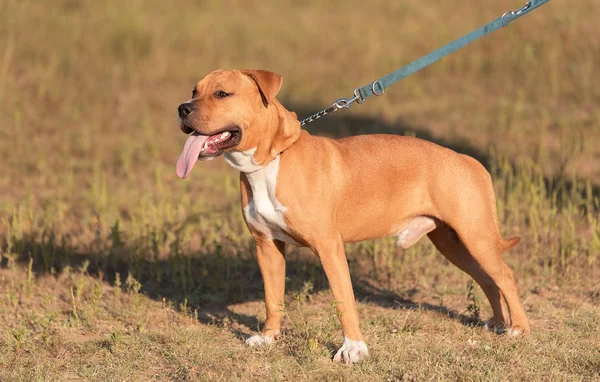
<point x="190" y="153"/>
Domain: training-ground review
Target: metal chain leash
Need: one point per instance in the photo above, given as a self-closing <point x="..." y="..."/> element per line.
<point x="342" y="103"/>
<point x="318" y="115"/>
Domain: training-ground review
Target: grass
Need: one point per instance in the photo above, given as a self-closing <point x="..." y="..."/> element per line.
<point x="112" y="268"/>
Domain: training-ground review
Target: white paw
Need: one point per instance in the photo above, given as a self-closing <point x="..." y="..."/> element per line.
<point x="258" y="340"/>
<point x="351" y="351"/>
<point x="514" y="332"/>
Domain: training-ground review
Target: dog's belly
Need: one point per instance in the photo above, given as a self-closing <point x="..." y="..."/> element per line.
<point x="405" y="213"/>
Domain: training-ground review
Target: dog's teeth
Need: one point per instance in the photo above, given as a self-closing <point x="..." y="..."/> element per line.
<point x="225" y="134"/>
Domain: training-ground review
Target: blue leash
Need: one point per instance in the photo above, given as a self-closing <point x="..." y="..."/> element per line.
<point x="379" y="86"/>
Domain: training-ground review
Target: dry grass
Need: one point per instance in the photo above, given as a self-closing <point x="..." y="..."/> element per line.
<point x="114" y="269"/>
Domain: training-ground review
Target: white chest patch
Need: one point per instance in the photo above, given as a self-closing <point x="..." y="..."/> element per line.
<point x="264" y="212"/>
<point x="242" y="160"/>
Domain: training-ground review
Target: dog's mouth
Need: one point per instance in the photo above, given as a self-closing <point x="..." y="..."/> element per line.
<point x="206" y="147"/>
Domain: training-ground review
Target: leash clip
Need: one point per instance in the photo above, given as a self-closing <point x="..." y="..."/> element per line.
<point x="508" y="16"/>
<point x="345" y="103"/>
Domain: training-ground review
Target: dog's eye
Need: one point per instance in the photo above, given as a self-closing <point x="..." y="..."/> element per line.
<point x="194" y="93"/>
<point x="221" y="94"/>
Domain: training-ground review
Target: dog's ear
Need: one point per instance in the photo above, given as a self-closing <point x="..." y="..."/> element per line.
<point x="268" y="83"/>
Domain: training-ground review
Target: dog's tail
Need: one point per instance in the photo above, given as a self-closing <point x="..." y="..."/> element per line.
<point x="505" y="245"/>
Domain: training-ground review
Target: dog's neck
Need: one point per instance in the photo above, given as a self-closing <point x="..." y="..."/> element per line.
<point x="282" y="127"/>
<point x="243" y="161"/>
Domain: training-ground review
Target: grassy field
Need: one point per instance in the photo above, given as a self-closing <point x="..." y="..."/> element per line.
<point x="114" y="269"/>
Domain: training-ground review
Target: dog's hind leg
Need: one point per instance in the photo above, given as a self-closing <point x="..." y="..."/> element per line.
<point x="478" y="247"/>
<point x="486" y="246"/>
<point x="446" y="241"/>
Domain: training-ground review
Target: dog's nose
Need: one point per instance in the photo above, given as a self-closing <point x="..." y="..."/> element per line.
<point x="185" y="109"/>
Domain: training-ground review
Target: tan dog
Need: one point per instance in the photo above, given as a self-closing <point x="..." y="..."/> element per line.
<point x="321" y="193"/>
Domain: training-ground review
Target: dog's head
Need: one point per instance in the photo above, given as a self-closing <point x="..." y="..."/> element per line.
<point x="234" y="110"/>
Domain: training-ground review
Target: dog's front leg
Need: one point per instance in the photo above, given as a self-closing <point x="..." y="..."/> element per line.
<point x="333" y="258"/>
<point x="271" y="261"/>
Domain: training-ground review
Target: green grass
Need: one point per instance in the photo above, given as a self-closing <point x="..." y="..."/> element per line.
<point x="112" y="268"/>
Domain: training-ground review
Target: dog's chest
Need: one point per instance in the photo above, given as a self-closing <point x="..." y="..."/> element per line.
<point x="264" y="212"/>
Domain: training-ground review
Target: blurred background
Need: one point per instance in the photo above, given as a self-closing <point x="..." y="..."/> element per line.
<point x="89" y="136"/>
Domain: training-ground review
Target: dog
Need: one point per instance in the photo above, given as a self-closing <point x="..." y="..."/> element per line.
<point x="320" y="193"/>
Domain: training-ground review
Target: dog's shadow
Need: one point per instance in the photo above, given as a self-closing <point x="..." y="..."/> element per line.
<point x="207" y="293"/>
<point x="245" y="325"/>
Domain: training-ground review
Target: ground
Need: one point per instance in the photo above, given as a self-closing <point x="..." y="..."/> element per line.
<point x="114" y="269"/>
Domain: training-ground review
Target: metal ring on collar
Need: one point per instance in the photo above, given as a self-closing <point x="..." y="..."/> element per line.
<point x="381" y="87"/>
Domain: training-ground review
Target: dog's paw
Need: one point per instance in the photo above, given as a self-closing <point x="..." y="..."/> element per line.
<point x="494" y="327"/>
<point x="258" y="340"/>
<point x="517" y="331"/>
<point x="351" y="351"/>
<point x="513" y="331"/>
